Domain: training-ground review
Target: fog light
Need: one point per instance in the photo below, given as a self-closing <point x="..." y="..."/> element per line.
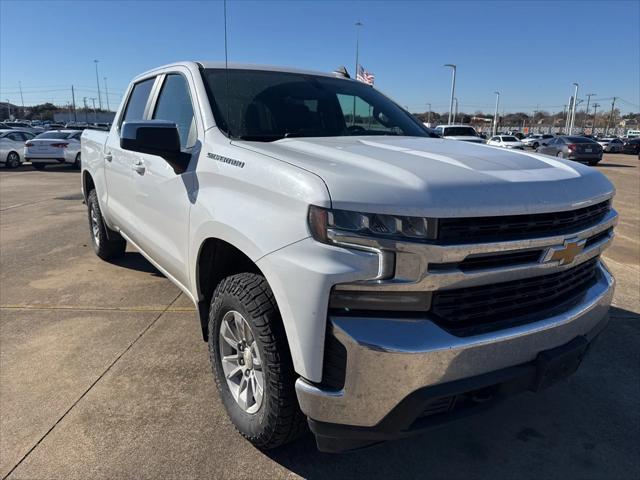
<point x="349" y="300"/>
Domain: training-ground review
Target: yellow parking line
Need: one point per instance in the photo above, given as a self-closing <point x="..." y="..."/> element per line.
<point x="88" y="308"/>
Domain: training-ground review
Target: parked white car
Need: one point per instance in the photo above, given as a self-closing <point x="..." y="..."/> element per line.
<point x="54" y="147"/>
<point x="12" y="146"/>
<point x="611" y="145"/>
<point x="506" y="141"/>
<point x="535" y="140"/>
<point x="463" y="133"/>
<point x="355" y="278"/>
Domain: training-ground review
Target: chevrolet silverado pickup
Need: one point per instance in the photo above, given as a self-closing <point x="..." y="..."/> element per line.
<point x="352" y="274"/>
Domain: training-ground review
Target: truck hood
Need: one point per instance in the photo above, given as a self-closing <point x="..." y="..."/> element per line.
<point x="438" y="177"/>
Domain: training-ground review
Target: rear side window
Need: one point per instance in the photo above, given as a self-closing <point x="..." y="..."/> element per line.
<point x="174" y="105"/>
<point x="138" y="100"/>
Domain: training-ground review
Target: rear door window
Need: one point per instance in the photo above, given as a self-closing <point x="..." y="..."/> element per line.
<point x="138" y="100"/>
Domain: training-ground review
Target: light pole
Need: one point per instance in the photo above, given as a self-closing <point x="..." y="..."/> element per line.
<point x="495" y="115"/>
<point x="455" y="109"/>
<point x="98" y="83"/>
<point x="586" y="114"/>
<point x="106" y="94"/>
<point x="8" y="107"/>
<point x="453" y="89"/>
<point x="21" y="97"/>
<point x="95" y="114"/>
<point x="86" y="109"/>
<point x="429" y="115"/>
<point x="573" y="110"/>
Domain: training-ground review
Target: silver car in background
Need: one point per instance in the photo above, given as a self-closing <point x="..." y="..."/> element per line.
<point x="611" y="145"/>
<point x="534" y="141"/>
<point x="12" y="146"/>
<point x="54" y="147"/>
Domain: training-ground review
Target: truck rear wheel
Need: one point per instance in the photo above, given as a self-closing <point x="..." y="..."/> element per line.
<point x="251" y="362"/>
<point x="107" y="243"/>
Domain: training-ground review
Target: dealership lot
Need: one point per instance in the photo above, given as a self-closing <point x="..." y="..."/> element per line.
<point x="103" y="373"/>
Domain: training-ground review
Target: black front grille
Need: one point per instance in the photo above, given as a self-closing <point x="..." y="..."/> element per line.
<point x="473" y="310"/>
<point x="515" y="227"/>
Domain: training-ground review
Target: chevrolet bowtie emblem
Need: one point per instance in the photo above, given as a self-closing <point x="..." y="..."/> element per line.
<point x="566" y="253"/>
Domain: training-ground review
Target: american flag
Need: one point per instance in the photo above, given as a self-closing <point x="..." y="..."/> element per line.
<point x="365" y="76"/>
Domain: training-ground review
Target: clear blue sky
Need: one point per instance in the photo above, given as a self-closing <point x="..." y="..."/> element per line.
<point x="530" y="51"/>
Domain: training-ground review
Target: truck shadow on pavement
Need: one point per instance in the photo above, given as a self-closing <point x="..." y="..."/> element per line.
<point x="135" y="261"/>
<point x="575" y="429"/>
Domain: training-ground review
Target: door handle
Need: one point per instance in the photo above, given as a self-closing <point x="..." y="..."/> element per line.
<point x="108" y="157"/>
<point x="138" y="166"/>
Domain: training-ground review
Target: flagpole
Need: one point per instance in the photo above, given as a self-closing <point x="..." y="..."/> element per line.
<point x="358" y="24"/>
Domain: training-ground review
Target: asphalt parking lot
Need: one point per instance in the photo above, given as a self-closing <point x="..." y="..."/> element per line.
<point x="103" y="373"/>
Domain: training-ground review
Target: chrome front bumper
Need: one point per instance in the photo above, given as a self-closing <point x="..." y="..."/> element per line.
<point x="388" y="359"/>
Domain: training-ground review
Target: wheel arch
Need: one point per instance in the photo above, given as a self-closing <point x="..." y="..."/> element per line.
<point x="87" y="184"/>
<point x="216" y="260"/>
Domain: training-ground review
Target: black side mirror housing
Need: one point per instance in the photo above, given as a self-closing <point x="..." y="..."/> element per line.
<point x="155" y="137"/>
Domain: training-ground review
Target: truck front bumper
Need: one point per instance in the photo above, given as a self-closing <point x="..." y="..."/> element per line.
<point x="399" y="372"/>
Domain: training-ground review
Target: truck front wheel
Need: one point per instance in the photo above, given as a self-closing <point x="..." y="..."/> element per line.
<point x="106" y="243"/>
<point x="251" y="362"/>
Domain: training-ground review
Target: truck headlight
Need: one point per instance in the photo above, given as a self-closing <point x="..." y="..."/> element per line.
<point x="328" y="226"/>
<point x="368" y="231"/>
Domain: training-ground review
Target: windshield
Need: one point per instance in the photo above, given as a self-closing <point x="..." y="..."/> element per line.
<point x="459" y="132"/>
<point x="55" y="135"/>
<point x="266" y="106"/>
<point x="509" y="139"/>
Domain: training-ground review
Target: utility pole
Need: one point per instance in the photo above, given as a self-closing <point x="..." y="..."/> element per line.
<point x="98" y="83"/>
<point x="73" y="99"/>
<point x="106" y="94"/>
<point x="586" y="114"/>
<point x="613" y="103"/>
<point x="573" y="110"/>
<point x="595" y="111"/>
<point x="495" y="115"/>
<point x="86" y="114"/>
<point x="355" y="77"/>
<point x="8" y="107"/>
<point x="429" y="115"/>
<point x="453" y="89"/>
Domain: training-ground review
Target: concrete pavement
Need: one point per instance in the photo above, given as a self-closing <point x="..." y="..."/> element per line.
<point x="103" y="373"/>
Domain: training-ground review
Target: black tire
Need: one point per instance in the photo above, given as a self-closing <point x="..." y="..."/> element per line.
<point x="535" y="145"/>
<point x="39" y="166"/>
<point x="13" y="160"/>
<point x="278" y="419"/>
<point x="107" y="243"/>
<point x="77" y="163"/>
<point x="593" y="163"/>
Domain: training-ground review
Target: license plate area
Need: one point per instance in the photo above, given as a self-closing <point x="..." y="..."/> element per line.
<point x="558" y="363"/>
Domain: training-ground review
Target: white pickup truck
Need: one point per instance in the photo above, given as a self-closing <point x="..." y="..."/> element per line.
<point x="351" y="273"/>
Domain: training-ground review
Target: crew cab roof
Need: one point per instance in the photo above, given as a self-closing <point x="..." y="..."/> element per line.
<point x="236" y="66"/>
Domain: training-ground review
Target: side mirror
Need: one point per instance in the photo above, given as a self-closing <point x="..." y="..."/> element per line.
<point x="155" y="137"/>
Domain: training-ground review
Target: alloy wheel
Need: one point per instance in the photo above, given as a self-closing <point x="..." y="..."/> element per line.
<point x="241" y="362"/>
